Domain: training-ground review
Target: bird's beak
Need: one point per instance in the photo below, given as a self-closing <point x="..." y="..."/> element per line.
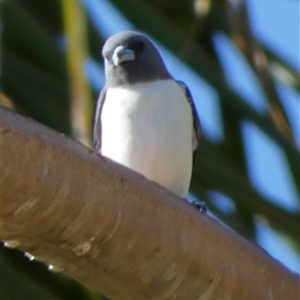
<point x="121" y="54"/>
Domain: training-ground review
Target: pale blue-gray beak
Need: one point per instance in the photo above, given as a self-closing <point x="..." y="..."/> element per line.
<point x="122" y="54"/>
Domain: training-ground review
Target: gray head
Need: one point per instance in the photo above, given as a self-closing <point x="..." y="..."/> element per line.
<point x="130" y="57"/>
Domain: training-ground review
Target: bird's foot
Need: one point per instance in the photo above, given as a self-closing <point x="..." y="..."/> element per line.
<point x="200" y="206"/>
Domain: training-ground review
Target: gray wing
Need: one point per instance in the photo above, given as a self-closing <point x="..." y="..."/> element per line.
<point x="97" y="124"/>
<point x="196" y="120"/>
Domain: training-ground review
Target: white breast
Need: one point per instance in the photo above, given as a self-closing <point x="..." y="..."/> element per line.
<point x="148" y="127"/>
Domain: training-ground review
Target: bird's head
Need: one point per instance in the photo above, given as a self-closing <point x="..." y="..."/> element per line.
<point x="130" y="57"/>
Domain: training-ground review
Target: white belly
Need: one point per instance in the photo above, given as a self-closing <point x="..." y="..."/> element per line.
<point x="149" y="128"/>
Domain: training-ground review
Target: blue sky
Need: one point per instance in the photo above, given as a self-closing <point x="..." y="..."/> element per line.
<point x="276" y="23"/>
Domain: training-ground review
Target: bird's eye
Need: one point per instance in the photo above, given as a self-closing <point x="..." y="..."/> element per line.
<point x="138" y="46"/>
<point x="141" y="46"/>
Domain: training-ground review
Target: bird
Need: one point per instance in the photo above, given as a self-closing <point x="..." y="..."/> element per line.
<point x="146" y="120"/>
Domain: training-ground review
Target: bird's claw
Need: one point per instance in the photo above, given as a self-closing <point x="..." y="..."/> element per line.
<point x="200" y="206"/>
